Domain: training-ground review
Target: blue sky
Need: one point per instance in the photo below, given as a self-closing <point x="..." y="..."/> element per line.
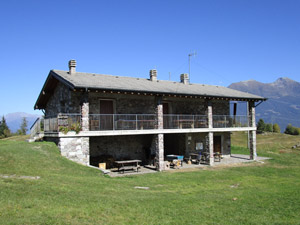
<point x="234" y="40"/>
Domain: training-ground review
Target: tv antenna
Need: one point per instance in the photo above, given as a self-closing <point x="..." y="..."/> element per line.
<point x="190" y="55"/>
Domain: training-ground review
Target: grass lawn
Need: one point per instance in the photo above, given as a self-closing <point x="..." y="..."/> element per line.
<point x="68" y="193"/>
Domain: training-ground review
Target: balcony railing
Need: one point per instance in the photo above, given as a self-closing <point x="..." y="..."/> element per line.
<point x="62" y="122"/>
<point x="185" y="121"/>
<point x="225" y="121"/>
<point x="102" y="122"/>
<point x="122" y="122"/>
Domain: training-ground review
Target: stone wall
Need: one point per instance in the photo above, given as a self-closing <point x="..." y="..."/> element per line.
<point x="65" y="100"/>
<point x="59" y="101"/>
<point x="76" y="149"/>
<point x="123" y="104"/>
<point x="187" y="106"/>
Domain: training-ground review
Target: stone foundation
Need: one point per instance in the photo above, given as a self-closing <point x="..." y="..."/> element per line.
<point x="76" y="149"/>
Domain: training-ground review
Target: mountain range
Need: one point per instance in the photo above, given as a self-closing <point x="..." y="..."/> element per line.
<point x="283" y="104"/>
<point x="14" y="120"/>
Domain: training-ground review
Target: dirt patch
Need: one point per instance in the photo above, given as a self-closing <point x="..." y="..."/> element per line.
<point x="14" y="176"/>
<point x="217" y="167"/>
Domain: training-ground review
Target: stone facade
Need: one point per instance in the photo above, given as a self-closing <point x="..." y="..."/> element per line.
<point x="66" y="101"/>
<point x="76" y="149"/>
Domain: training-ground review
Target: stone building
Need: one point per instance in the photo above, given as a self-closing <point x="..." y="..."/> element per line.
<point x="93" y="117"/>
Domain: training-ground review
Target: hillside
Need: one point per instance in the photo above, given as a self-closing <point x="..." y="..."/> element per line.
<point x="283" y="104"/>
<point x="38" y="186"/>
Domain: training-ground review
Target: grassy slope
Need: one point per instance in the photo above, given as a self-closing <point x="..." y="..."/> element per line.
<point x="68" y="193"/>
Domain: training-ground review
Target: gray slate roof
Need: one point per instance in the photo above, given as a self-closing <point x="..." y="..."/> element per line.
<point x="119" y="83"/>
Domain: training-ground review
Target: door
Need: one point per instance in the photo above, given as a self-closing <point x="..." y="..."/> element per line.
<point x="217" y="144"/>
<point x="165" y="108"/>
<point x="165" y="112"/>
<point x="106" y="114"/>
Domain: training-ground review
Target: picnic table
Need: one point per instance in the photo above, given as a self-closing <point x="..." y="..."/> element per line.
<point x="175" y="160"/>
<point x="195" y="157"/>
<point x="128" y="165"/>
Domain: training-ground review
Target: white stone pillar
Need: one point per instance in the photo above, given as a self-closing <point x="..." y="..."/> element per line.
<point x="210" y="134"/>
<point x="85" y="110"/>
<point x="251" y="107"/>
<point x="159" y="144"/>
<point x="159" y="138"/>
<point x="210" y="115"/>
<point x="211" y="148"/>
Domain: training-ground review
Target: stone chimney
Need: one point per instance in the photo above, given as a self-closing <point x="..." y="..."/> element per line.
<point x="153" y="75"/>
<point x="72" y="66"/>
<point x="184" y="78"/>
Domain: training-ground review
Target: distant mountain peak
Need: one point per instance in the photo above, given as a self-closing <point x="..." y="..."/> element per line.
<point x="283" y="102"/>
<point x="14" y="120"/>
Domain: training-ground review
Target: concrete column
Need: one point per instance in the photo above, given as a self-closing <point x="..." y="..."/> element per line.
<point x="210" y="115"/>
<point x="85" y="110"/>
<point x="211" y="148"/>
<point x="252" y="138"/>
<point x="159" y="138"/>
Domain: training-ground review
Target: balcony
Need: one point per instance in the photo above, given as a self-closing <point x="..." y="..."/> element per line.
<point x="142" y="122"/>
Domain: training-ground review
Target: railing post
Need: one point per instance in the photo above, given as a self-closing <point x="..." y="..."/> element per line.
<point x="114" y="122"/>
<point x="210" y="115"/>
<point x="136" y="122"/>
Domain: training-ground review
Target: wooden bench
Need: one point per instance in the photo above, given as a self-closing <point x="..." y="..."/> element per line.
<point x="128" y="165"/>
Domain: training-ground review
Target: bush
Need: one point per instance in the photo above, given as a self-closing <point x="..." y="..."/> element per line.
<point x="268" y="127"/>
<point x="276" y="128"/>
<point x="292" y="130"/>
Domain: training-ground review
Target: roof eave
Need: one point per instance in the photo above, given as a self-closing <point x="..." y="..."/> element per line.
<point x="170" y="93"/>
<point x="50" y="75"/>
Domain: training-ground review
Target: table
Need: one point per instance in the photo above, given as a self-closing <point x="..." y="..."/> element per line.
<point x="128" y="164"/>
<point x="217" y="155"/>
<point x="196" y="157"/>
<point x="175" y="160"/>
<point x="185" y="123"/>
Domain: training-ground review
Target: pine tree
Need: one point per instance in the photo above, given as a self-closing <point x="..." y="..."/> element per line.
<point x="261" y="126"/>
<point x="23" y="128"/>
<point x="4" y="130"/>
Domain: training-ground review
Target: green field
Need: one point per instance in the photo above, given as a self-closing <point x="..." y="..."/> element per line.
<point x="68" y="193"/>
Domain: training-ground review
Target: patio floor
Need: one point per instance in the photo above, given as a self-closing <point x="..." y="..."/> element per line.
<point x="232" y="160"/>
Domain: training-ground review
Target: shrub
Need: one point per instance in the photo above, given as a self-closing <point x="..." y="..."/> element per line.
<point x="276" y="128"/>
<point x="292" y="130"/>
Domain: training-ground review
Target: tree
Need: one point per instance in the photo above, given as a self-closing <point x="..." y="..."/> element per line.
<point x="268" y="127"/>
<point x="276" y="128"/>
<point x="4" y="130"/>
<point x="292" y="130"/>
<point x="23" y="129"/>
<point x="261" y="126"/>
<point x="289" y="129"/>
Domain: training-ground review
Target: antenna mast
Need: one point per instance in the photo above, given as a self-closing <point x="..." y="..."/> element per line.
<point x="190" y="55"/>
